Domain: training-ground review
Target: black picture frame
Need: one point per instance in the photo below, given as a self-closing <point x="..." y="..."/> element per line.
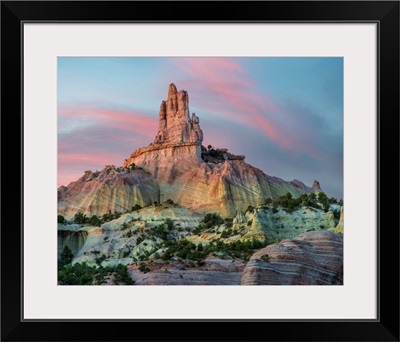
<point x="384" y="13"/>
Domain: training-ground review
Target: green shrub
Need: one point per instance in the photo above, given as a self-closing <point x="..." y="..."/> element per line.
<point x="268" y="201"/>
<point x="250" y="209"/>
<point x="265" y="257"/>
<point x="336" y="214"/>
<point x="99" y="260"/>
<point x="228" y="224"/>
<point x="95" y="221"/>
<point x="82" y="274"/>
<point x="212" y="219"/>
<point x="66" y="256"/>
<point x="136" y="207"/>
<point x="226" y="233"/>
<point x="169" y="201"/>
<point x="143" y="268"/>
<point x="61" y="219"/>
<point x="161" y="231"/>
<point x="169" y="223"/>
<point x="80" y="218"/>
<point x="140" y="239"/>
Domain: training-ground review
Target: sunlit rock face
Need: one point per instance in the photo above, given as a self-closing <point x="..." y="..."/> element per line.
<point x="111" y="189"/>
<point x="313" y="258"/>
<point x="176" y="166"/>
<point x="284" y="225"/>
<point x="200" y="179"/>
<point x="340" y="227"/>
<point x="175" y="124"/>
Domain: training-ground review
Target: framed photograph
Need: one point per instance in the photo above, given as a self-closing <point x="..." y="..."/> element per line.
<point x="179" y="163"/>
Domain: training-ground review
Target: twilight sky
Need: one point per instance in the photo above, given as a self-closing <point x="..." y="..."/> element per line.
<point x="284" y="114"/>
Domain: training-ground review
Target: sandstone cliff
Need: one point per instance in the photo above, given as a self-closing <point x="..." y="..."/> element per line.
<point x="177" y="167"/>
<point x="113" y="188"/>
<point x="192" y="176"/>
<point x="313" y="258"/>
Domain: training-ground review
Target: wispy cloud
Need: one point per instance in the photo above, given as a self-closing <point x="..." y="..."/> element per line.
<point x="223" y="87"/>
<point x="124" y="120"/>
<point x="89" y="138"/>
<point x="252" y="107"/>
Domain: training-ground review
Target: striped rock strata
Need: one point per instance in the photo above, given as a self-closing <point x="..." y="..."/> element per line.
<point x="313" y="258"/>
<point x="214" y="272"/>
<point x="113" y="188"/>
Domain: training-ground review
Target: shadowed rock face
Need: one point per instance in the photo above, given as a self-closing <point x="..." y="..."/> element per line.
<point x="73" y="239"/>
<point x="316" y="186"/>
<point x="313" y="258"/>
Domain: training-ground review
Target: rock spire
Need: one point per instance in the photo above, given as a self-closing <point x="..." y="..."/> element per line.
<point x="175" y="124"/>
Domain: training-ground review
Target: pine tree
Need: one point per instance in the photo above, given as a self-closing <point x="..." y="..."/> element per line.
<point x="66" y="256"/>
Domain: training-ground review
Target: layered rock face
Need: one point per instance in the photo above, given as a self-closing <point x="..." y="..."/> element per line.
<point x="214" y="272"/>
<point x="195" y="178"/>
<point x="313" y="258"/>
<point x="115" y="189"/>
<point x="283" y="225"/>
<point x="176" y="166"/>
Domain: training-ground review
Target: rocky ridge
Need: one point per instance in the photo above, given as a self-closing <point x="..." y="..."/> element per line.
<point x="112" y="189"/>
<point x="178" y="213"/>
<point x="140" y="239"/>
<point x="203" y="179"/>
<point x="176" y="166"/>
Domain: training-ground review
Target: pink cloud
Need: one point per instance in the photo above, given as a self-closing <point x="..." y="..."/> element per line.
<point x="98" y="137"/>
<point x="222" y="86"/>
<point x="118" y="119"/>
<point x="67" y="159"/>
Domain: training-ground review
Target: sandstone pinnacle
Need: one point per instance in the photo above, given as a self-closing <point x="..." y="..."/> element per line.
<point x="175" y="124"/>
<point x="316" y="186"/>
<point x="171" y="90"/>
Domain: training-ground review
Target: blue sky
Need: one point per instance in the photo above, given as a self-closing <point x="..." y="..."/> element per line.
<point x="284" y="114"/>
